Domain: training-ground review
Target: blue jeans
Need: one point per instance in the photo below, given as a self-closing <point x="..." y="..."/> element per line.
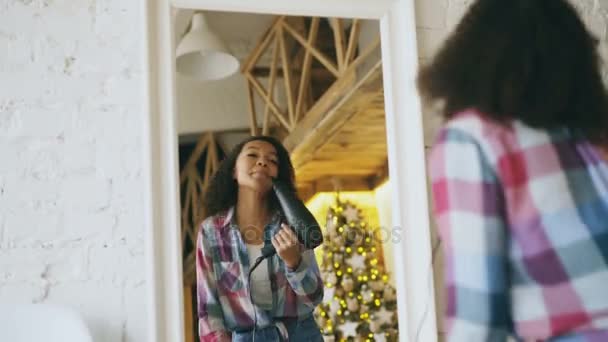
<point x="305" y="330"/>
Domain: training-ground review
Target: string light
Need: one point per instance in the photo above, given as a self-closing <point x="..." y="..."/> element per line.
<point x="359" y="303"/>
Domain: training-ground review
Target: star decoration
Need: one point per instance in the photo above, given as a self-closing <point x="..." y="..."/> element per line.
<point x="351" y="213"/>
<point x="377" y="285"/>
<point x="334" y="306"/>
<point x="328" y="294"/>
<point x="349" y="329"/>
<point x="357" y="261"/>
<point x="332" y="278"/>
<point x="384" y="316"/>
<point x="389" y="294"/>
<point x="331" y="227"/>
<point x="380" y="337"/>
<point x="368" y="296"/>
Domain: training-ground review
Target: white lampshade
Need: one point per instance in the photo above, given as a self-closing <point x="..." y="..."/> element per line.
<point x="202" y="55"/>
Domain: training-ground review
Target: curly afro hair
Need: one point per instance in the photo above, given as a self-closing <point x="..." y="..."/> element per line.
<point x="222" y="192"/>
<point x="531" y="60"/>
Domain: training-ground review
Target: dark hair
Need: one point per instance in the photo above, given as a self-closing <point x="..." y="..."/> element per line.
<point x="222" y="192"/>
<point x="531" y="60"/>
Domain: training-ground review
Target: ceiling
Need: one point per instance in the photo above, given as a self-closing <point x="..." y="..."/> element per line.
<point x="349" y="146"/>
<point x="240" y="31"/>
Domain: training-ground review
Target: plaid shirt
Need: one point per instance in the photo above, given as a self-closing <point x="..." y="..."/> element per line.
<point x="222" y="265"/>
<point x="523" y="218"/>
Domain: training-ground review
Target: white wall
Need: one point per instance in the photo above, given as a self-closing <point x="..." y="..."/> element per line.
<point x="71" y="219"/>
<point x="223" y="104"/>
<point x="213" y="106"/>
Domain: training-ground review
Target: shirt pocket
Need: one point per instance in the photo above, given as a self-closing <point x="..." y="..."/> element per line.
<point x="230" y="276"/>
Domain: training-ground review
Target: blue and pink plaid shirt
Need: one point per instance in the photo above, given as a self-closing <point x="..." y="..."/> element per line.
<point x="523" y="218"/>
<point x="222" y="265"/>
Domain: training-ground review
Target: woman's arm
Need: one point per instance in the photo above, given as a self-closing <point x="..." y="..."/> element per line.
<point x="469" y="211"/>
<point x="210" y="318"/>
<point x="302" y="271"/>
<point x="305" y="279"/>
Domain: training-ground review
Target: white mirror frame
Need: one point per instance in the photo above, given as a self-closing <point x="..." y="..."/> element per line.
<point x="414" y="277"/>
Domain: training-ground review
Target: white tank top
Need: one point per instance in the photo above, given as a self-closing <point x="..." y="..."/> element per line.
<point x="261" y="291"/>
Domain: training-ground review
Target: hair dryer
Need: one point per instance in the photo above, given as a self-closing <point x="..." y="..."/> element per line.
<point x="298" y="217"/>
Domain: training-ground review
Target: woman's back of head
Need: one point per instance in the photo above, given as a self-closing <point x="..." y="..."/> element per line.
<point x="532" y="60"/>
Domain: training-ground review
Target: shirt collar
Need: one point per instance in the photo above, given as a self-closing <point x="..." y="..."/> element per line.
<point x="228" y="220"/>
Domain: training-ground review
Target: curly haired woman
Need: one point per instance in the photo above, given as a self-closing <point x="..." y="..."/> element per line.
<point x="244" y="215"/>
<point x="519" y="174"/>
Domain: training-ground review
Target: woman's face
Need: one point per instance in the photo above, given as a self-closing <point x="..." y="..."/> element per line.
<point x="256" y="165"/>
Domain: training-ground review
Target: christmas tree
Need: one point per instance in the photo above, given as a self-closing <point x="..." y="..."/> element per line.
<point x="359" y="303"/>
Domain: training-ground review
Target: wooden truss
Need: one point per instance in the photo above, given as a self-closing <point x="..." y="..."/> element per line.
<point x="193" y="185"/>
<point x="330" y="109"/>
<point x="291" y="43"/>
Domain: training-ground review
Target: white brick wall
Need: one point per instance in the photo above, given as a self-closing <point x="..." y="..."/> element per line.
<point x="71" y="219"/>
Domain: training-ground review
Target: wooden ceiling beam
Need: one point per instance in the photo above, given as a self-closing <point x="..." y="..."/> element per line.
<point x="327" y="184"/>
<point x="310" y="134"/>
<point x="322" y="58"/>
<point x="307" y="190"/>
<point x="380" y="176"/>
<point x="333" y="98"/>
<point x="261" y="45"/>
<point x="315" y="73"/>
